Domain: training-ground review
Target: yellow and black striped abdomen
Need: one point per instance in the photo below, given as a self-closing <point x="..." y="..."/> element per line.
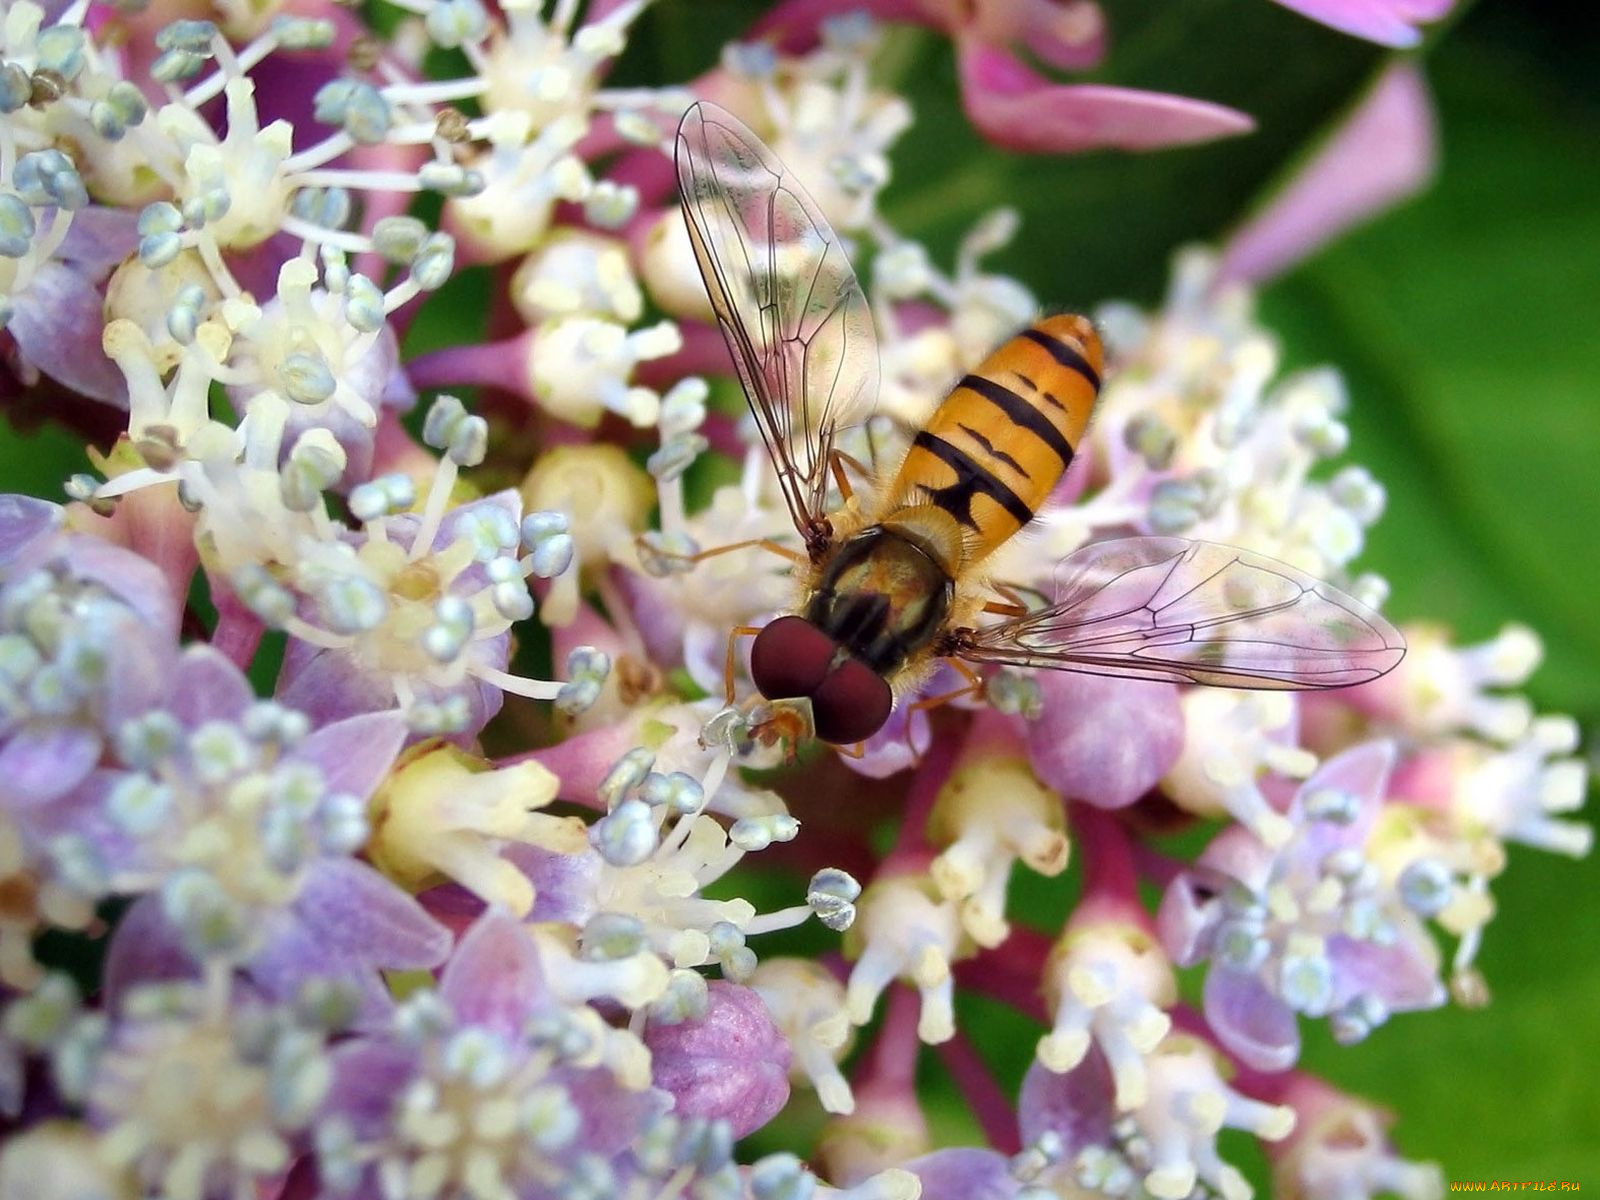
<point x="1000" y="441"/>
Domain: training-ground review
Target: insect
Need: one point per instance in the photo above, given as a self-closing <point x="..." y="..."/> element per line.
<point x="893" y="581"/>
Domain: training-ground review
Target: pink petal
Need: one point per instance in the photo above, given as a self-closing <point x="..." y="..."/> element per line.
<point x="1362" y="772"/>
<point x="58" y="324"/>
<point x="355" y="754"/>
<point x="24" y="524"/>
<point x="1021" y="110"/>
<point x="964" y="1173"/>
<point x="208" y="687"/>
<point x="42" y="762"/>
<point x="1251" y="1021"/>
<point x="1076" y="1105"/>
<point x="1069" y="36"/>
<point x="1386" y="150"/>
<point x="1387" y="22"/>
<point x="494" y="978"/>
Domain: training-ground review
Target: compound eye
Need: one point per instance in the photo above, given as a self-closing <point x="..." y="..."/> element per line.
<point x="790" y="658"/>
<point x="851" y="705"/>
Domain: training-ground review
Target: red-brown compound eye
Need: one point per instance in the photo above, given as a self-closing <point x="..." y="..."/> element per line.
<point x="790" y="658"/>
<point x="852" y="704"/>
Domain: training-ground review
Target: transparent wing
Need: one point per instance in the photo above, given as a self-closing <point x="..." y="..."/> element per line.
<point x="785" y="297"/>
<point x="1193" y="612"/>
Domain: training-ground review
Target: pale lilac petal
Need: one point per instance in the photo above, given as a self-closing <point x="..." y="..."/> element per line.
<point x="368" y="1074"/>
<point x="1387" y="22"/>
<point x="99" y="238"/>
<point x="58" y="324"/>
<point x="1186" y="917"/>
<point x="964" y="1173"/>
<point x="732" y="1064"/>
<point x="329" y="685"/>
<point x="208" y="687"/>
<point x="564" y="885"/>
<point x="355" y="908"/>
<point x="1387" y="149"/>
<point x="1104" y="741"/>
<point x="40" y="763"/>
<point x="1251" y="1021"/>
<point x="1238" y="854"/>
<point x="1361" y="773"/>
<point x="145" y="948"/>
<point x="130" y="577"/>
<point x="1405" y="976"/>
<point x="1021" y="110"/>
<point x="293" y="953"/>
<point x="355" y="754"/>
<point x="899" y="745"/>
<point x="25" y="523"/>
<point x="612" y="1117"/>
<point x="494" y="978"/>
<point x="1075" y="1105"/>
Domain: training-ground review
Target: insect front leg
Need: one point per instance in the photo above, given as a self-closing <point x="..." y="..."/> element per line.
<point x="739" y="631"/>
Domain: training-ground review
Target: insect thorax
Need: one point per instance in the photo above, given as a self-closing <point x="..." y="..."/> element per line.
<point x="882" y="597"/>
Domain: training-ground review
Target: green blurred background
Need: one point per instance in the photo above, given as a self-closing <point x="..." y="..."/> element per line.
<point x="1465" y="323"/>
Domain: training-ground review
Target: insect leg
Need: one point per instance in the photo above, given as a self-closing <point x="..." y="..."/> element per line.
<point x="778" y="548"/>
<point x="837" y="461"/>
<point x="738" y="632"/>
<point x="1015" y="604"/>
<point x="973" y="687"/>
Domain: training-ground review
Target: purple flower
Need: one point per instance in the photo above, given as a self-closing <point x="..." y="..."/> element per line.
<point x="269" y="813"/>
<point x="492" y="1075"/>
<point x="380" y="606"/>
<point x="87" y="634"/>
<point x="1167" y="1143"/>
<point x="57" y="317"/>
<point x="197" y="1093"/>
<point x="1104" y="741"/>
<point x="1310" y="927"/>
<point x="730" y="1063"/>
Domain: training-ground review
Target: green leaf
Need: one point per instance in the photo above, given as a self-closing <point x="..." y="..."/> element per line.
<point x="1105" y="224"/>
<point x="1464" y="325"/>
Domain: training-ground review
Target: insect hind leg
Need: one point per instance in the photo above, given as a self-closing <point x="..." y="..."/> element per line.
<point x="651" y="553"/>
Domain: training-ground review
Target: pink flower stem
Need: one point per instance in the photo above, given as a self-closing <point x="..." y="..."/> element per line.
<point x="703" y="353"/>
<point x="1107" y="850"/>
<point x="984" y="1096"/>
<point x="238" y="632"/>
<point x="910" y="844"/>
<point x="482" y="364"/>
<point x="891" y="1065"/>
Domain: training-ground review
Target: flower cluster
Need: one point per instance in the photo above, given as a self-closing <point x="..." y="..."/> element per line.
<point x="376" y="742"/>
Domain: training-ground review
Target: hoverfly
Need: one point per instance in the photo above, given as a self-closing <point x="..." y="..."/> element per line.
<point x="894" y="580"/>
